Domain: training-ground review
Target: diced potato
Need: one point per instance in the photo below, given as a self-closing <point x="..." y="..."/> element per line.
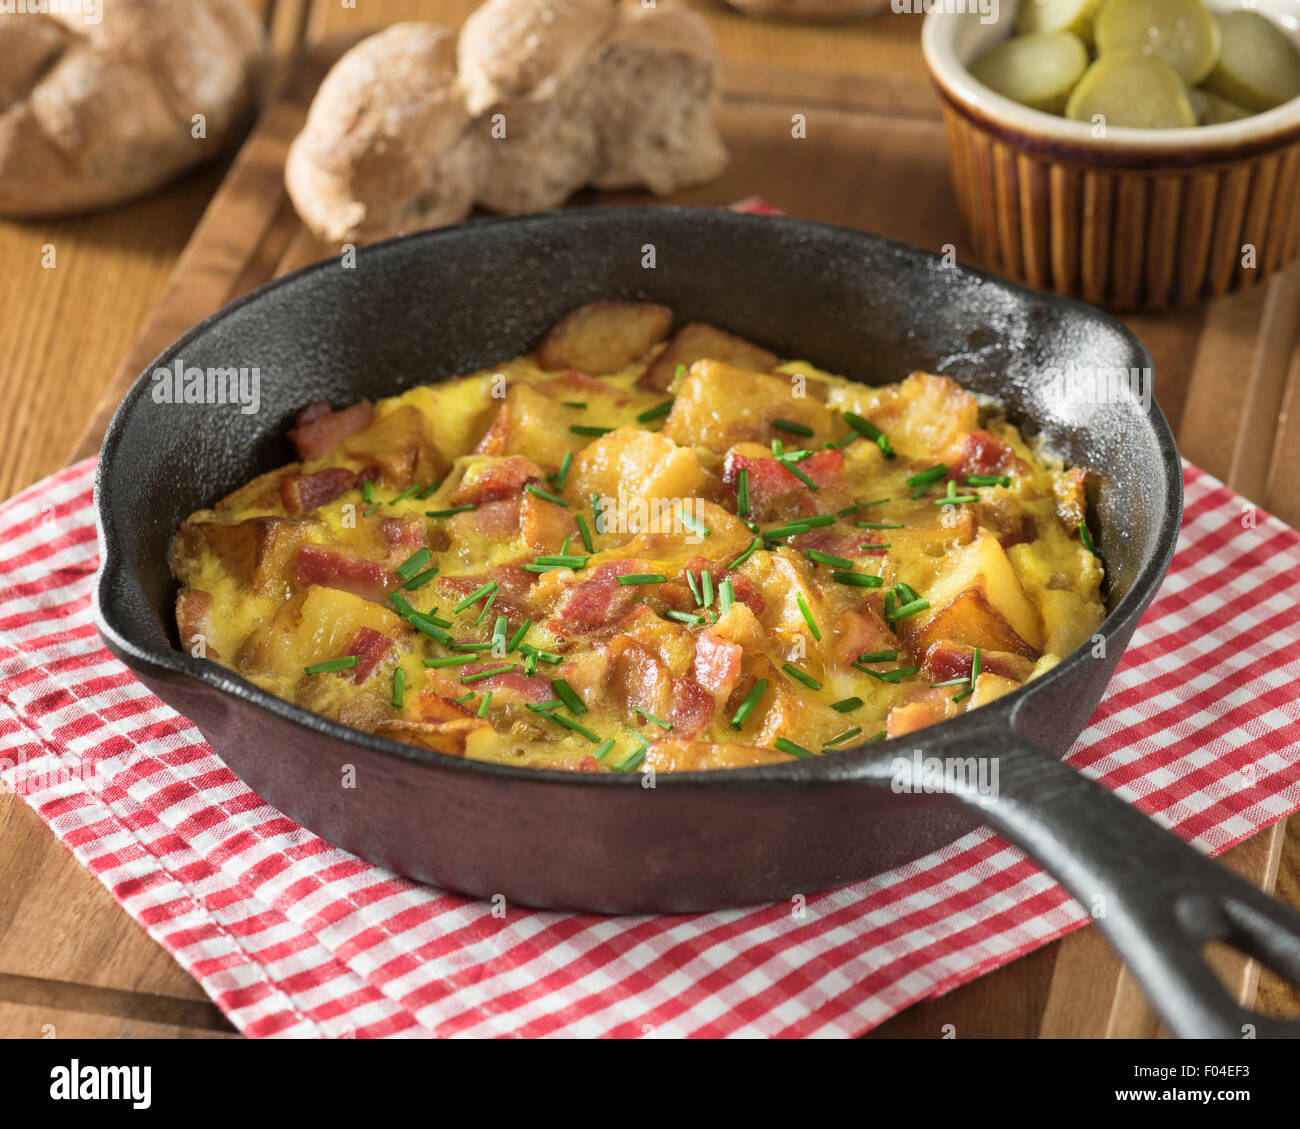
<point x="922" y="414"/>
<point x="719" y="405"/>
<point x="257" y="552"/>
<point x="399" y="443"/>
<point x="528" y="423"/>
<point x="640" y="464"/>
<point x="672" y="755"/>
<point x="697" y="342"/>
<point x="979" y="602"/>
<point x="604" y="337"/>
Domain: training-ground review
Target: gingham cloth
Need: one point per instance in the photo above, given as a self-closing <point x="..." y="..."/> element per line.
<point x="291" y="936"/>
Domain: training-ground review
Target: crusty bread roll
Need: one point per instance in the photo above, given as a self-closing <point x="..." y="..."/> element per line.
<point x="92" y="114"/>
<point x="811" y="9"/>
<point x="544" y="97"/>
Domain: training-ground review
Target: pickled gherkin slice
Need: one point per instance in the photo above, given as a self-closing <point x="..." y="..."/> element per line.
<point x="1182" y="33"/>
<point x="1213" y="110"/>
<point x="1058" y="15"/>
<point x="1134" y="90"/>
<point x="1038" y="70"/>
<point x="1259" y="67"/>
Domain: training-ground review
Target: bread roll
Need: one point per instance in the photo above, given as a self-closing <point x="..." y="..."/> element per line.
<point x="92" y="114"/>
<point x="544" y="97"/>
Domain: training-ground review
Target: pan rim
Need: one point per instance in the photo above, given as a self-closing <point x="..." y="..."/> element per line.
<point x="847" y="764"/>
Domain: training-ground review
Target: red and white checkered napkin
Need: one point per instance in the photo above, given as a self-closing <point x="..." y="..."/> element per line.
<point x="1201" y="728"/>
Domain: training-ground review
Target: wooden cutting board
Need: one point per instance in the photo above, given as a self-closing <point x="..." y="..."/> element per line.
<point x="871" y="157"/>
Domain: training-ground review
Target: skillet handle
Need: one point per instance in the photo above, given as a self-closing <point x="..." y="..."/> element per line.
<point x="1157" y="900"/>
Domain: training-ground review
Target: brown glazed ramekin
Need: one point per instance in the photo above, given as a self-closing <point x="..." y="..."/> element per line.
<point x="1135" y="219"/>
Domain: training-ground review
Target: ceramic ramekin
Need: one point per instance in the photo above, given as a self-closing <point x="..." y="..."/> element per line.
<point x="1137" y="219"/>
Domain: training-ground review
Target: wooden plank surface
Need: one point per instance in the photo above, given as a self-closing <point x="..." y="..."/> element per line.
<point x="1227" y="376"/>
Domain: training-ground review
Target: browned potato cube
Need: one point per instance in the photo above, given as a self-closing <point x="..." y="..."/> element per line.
<point x="258" y="551"/>
<point x="698" y="342"/>
<point x="604" y="337"/>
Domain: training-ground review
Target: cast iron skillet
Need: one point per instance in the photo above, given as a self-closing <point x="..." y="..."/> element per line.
<point x="439" y="303"/>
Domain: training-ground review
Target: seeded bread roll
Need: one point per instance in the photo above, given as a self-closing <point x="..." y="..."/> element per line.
<point x="92" y="114"/>
<point x="542" y="98"/>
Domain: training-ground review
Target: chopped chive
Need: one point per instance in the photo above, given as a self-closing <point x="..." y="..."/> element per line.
<point x="545" y="656"/>
<point x="487" y="607"/>
<point x="726" y="597"/>
<point x="857" y="579"/>
<point x="747" y="706"/>
<point x="875" y="737"/>
<point x="908" y="609"/>
<point x="875" y="545"/>
<point x="792" y="427"/>
<point x="655" y="412"/>
<point x="330" y="665"/>
<point x="518" y="636"/>
<point x="801" y="476"/>
<point x="449" y="660"/>
<point x="399" y="602"/>
<point x="530" y="663"/>
<point x="889" y="605"/>
<point x="847" y="511"/>
<point x="421" y="578"/>
<point x="562" y="560"/>
<point x="677" y="372"/>
<point x="869" y="430"/>
<point x="568" y="695"/>
<point x="845" y="705"/>
<point x="633" y="759"/>
<point x="877" y="502"/>
<point x="429" y="491"/>
<point x="641" y="578"/>
<point x="963" y="695"/>
<point x="475" y="596"/>
<point x="368" y="490"/>
<point x="407" y="493"/>
<point x="399" y="686"/>
<point x="533" y="566"/>
<point x="742" y="492"/>
<point x="803" y="676"/>
<point x="370" y="509"/>
<point x="878" y="657"/>
<point x="950" y="682"/>
<point x="808" y="616"/>
<point x="499" y="630"/>
<point x="584" y="533"/>
<point x="564" y="548"/>
<point x="569" y="723"/>
<point x="605" y="746"/>
<point x="693" y="523"/>
<point x="927" y="477"/>
<point x="487" y="701"/>
<point x="587" y="429"/>
<point x="463" y="698"/>
<point x="740" y="560"/>
<point x="975" y="668"/>
<point x="952" y="498"/>
<point x="818" y="557"/>
<point x="1086" y="537"/>
<point x="562" y="475"/>
<point x="706" y="583"/>
<point x="416" y="561"/>
<point x="684" y="617"/>
<point x="892" y="676"/>
<point x="905" y="593"/>
<point x="533" y="488"/>
<point x="880" y="525"/>
<point x="845" y="736"/>
<point x="426" y="627"/>
<point x="448" y="513"/>
<point x="988" y="480"/>
<point x="659" y="721"/>
<point x="574" y="404"/>
<point x="506" y="669"/>
<point x="690" y="580"/>
<point x="793" y="749"/>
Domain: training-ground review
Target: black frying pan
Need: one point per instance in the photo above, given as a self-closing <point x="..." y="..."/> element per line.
<point x="439" y="303"/>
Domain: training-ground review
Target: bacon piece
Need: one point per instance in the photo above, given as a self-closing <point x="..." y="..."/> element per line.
<point x="771" y="483"/>
<point x="692" y="707"/>
<point x="311" y="412"/>
<point x="498" y="520"/>
<point x="193" y="606"/>
<point x="490" y="481"/>
<point x="345" y="570"/>
<point x="544" y="525"/>
<point x="370" y="647"/>
<point x="403" y="536"/>
<point x="303" y="492"/>
<point x="716" y="665"/>
<point x="984" y="453"/>
<point x="862" y="632"/>
<point x="582" y="764"/>
<point x="946" y="659"/>
<point x="497" y="437"/>
<point x="321" y="430"/>
<point x="599" y="601"/>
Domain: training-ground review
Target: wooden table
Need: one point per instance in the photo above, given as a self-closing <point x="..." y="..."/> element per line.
<point x="71" y="958"/>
